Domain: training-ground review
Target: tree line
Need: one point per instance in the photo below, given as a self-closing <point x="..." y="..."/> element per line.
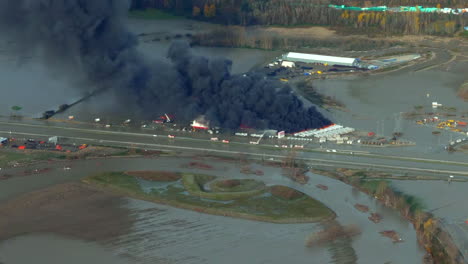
<point x="236" y="36"/>
<point x="396" y="3"/>
<point x="300" y="12"/>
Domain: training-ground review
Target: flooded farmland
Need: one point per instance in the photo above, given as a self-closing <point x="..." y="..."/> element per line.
<point x="134" y="231"/>
<point x="375" y="103"/>
<point x="156" y="233"/>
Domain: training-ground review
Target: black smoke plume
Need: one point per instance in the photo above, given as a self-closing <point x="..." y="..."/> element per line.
<point x="88" y="40"/>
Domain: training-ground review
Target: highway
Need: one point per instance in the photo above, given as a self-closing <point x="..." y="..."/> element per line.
<point x="150" y="141"/>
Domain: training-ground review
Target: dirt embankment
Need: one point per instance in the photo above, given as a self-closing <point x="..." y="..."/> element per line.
<point x="74" y="209"/>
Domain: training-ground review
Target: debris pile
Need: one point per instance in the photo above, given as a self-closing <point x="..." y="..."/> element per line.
<point x="375" y="217"/>
<point x="392" y="234"/>
<point x="332" y="233"/>
<point x="362" y="208"/>
<point x="321" y="186"/>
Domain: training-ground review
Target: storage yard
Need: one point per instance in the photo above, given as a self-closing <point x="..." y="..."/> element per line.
<point x="447" y="124"/>
<point x="293" y="65"/>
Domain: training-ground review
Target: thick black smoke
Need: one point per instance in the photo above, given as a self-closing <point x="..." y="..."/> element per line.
<point x="88" y="40"/>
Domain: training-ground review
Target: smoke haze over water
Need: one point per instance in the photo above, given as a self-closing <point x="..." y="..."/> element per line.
<point x="87" y="41"/>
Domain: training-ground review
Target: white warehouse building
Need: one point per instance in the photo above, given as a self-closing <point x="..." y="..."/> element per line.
<point x="315" y="58"/>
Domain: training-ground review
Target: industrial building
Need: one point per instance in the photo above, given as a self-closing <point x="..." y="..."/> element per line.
<point x="322" y="59"/>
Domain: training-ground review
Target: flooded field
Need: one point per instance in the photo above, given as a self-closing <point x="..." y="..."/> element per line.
<point x="375" y="102"/>
<point x="162" y="234"/>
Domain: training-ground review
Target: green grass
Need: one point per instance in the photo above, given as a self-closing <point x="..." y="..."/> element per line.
<point x="372" y="185"/>
<point x="156" y="176"/>
<point x="278" y="208"/>
<point x="464" y="34"/>
<point x="361" y="174"/>
<point x="256" y="206"/>
<point x="194" y="185"/>
<point x="8" y="157"/>
<point x="415" y="203"/>
<point x="119" y="180"/>
<point x="244" y="185"/>
<point x="151" y="13"/>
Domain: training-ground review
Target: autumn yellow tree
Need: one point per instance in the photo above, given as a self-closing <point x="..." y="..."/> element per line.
<point x="206" y="10"/>
<point x="212" y="10"/>
<point x="360" y="18"/>
<point x="209" y="10"/>
<point x="429" y="228"/>
<point x="345" y="14"/>
<point x="383" y="21"/>
<point x="449" y="27"/>
<point x="196" y="11"/>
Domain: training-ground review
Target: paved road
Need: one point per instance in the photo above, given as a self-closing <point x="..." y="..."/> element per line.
<point x="151" y="141"/>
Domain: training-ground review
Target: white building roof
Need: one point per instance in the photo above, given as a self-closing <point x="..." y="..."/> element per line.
<point x="315" y="57"/>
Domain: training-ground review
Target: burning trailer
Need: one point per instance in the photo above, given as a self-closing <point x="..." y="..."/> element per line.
<point x="164" y="119"/>
<point x="200" y="123"/>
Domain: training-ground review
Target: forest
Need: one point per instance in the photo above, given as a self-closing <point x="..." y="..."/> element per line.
<point x="317" y="12"/>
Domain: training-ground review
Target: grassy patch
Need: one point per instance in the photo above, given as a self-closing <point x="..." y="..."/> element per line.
<point x="257" y="205"/>
<point x="361" y="174"/>
<point x="236" y="185"/>
<point x="118" y="180"/>
<point x="194" y="185"/>
<point x="286" y="193"/>
<point x="7" y="158"/>
<point x="464" y="34"/>
<point x="151" y="13"/>
<point x="159" y="176"/>
<point x="372" y="185"/>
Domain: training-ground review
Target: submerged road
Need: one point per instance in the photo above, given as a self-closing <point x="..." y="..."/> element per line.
<point x="361" y="159"/>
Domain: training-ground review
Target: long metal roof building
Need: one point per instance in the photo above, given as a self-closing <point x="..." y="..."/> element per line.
<point x="314" y="58"/>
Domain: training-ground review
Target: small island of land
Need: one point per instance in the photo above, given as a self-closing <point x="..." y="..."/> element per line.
<point x="241" y="198"/>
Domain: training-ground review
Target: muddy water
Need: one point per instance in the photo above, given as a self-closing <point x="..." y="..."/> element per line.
<point x="162" y="233"/>
<point x="449" y="205"/>
<point x="450" y="201"/>
<point x="48" y="248"/>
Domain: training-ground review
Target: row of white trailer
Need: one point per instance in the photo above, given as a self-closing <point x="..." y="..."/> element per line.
<point x="339" y="140"/>
<point x="331" y="132"/>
